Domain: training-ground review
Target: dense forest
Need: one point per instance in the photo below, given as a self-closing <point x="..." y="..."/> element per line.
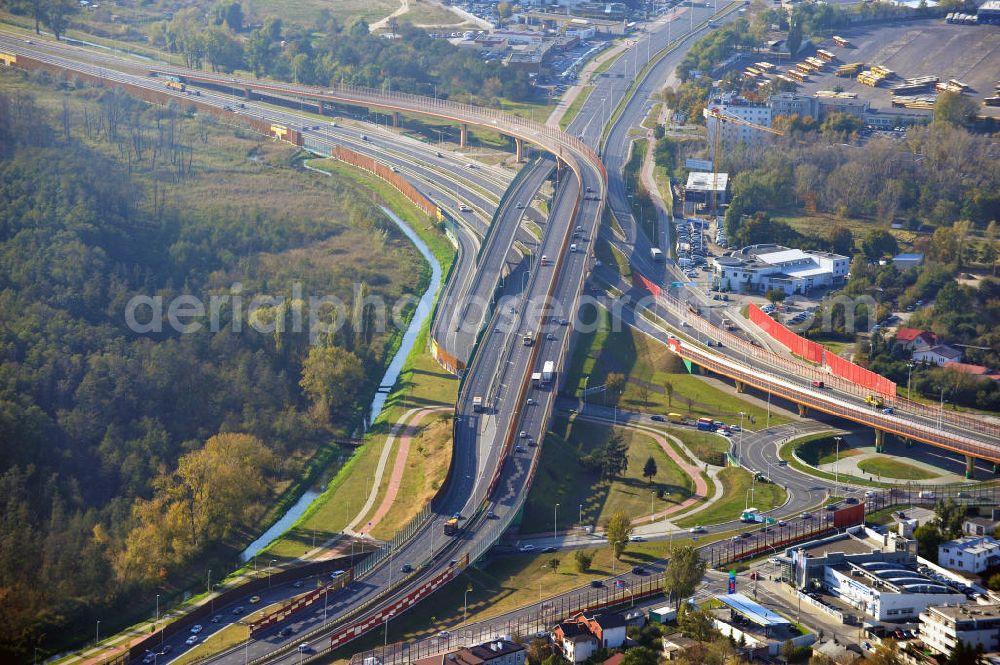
<point x="125" y="457"/>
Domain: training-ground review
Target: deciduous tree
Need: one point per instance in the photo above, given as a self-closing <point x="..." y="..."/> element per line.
<point x="618" y="530"/>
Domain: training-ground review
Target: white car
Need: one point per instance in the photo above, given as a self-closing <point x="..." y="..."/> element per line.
<point x="696" y="529"/>
<point x="191" y="640"/>
<point x="197" y="628"/>
<point x="526" y="548"/>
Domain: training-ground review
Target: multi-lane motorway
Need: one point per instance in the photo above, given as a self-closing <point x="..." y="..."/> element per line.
<point x="490" y="454"/>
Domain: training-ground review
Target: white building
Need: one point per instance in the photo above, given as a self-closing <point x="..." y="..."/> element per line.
<point x="971" y="555"/>
<point x="733" y="133"/>
<point x="938" y="355"/>
<point x="887" y="591"/>
<point x="942" y="627"/>
<point x="761" y="268"/>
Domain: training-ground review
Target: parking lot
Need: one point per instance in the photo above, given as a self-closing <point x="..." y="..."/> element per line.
<point x="968" y="53"/>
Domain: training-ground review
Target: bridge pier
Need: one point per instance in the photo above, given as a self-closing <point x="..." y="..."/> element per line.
<point x="463" y="135"/>
<point x="740" y="386"/>
<point x="319" y="107"/>
<point x="519" y="149"/>
<point x="248" y="93"/>
<point x="396" y="119"/>
<point x="879" y="441"/>
<point x="996" y="468"/>
<point x="970" y="467"/>
<point x="803" y="410"/>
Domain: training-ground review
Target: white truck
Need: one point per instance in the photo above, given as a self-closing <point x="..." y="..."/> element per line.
<point x="656" y="254"/>
<point x="477" y="403"/>
<point x="536" y="379"/>
<point x="548" y="372"/>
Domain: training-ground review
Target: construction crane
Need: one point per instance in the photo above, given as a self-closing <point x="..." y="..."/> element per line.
<point x="721" y="117"/>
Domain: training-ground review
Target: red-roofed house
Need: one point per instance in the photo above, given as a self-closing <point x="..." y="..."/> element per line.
<point x="974" y="370"/>
<point x="914" y="339"/>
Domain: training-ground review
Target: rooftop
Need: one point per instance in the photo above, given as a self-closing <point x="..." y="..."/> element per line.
<point x="960" y="612"/>
<point x="701" y="181"/>
<point x="893" y="577"/>
<point x="974" y="544"/>
<point x="752" y="610"/>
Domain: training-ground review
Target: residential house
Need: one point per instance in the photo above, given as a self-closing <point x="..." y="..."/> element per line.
<point x="494" y="652"/>
<point x="574" y="641"/>
<point x="578" y="638"/>
<point x="914" y="339"/>
<point x="981" y="526"/>
<point x="971" y="554"/>
<point x="938" y="355"/>
<point x="607" y="627"/>
<point x="905" y="261"/>
<point x="973" y="370"/>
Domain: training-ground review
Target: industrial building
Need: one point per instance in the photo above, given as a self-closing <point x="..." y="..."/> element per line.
<point x="942" y="627"/>
<point x="760" y="268"/>
<point x="971" y="554"/>
<point x="877" y="574"/>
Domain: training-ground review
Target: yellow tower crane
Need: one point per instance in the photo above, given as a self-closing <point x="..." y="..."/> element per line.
<point x="721" y="117"/>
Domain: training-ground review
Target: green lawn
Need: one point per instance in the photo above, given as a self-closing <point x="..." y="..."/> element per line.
<point x="894" y="468"/>
<point x="648" y="366"/>
<point x="706" y="446"/>
<point x="574" y="108"/>
<point x="736" y="483"/>
<point x="562" y="479"/>
<point x="824" y="451"/>
<point x="786" y="453"/>
<point x="885" y="515"/>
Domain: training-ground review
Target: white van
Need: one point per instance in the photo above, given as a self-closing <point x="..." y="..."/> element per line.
<point x="572" y="248"/>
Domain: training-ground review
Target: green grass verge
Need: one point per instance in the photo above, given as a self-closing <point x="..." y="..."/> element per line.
<point x="421" y="383"/>
<point x="894" y="468"/>
<point x="579" y="491"/>
<point x="823" y="450"/>
<point x="786" y="453"/>
<point x="736" y="484"/>
<point x="575" y="106"/>
<point x="885" y="515"/>
<point x="648" y="367"/>
<point x="706" y="446"/>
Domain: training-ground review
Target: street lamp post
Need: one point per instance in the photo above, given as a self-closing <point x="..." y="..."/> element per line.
<point x="909" y="374"/>
<point x="555" y="515"/>
<point x="836" y="463"/>
<point x="941" y="408"/>
<point x="97" y="637"/>
<point x="269" y="572"/>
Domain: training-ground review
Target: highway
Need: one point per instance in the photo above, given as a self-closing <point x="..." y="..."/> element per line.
<point x="539" y="299"/>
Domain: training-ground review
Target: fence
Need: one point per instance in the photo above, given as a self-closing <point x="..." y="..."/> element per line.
<point x="816" y="353"/>
<point x="383" y="172"/>
<point x="800" y="346"/>
<point x="699" y="325"/>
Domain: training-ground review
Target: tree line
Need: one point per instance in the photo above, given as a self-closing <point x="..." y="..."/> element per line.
<point x="127" y="458"/>
<point x="331" y="53"/>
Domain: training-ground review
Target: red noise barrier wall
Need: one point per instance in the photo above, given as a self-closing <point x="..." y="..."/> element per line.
<point x="816" y="353"/>
<point x="860" y="375"/>
<point x="800" y="346"/>
<point x="385" y="173"/>
<point x="646" y="284"/>
<point x="349" y="633"/>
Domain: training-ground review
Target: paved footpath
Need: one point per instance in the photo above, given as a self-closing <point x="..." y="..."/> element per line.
<point x="396" y="479"/>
